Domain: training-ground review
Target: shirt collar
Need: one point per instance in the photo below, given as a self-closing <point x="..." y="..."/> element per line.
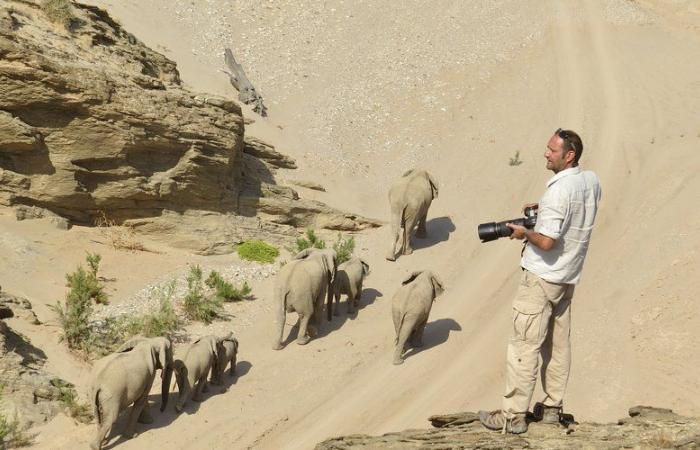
<point x="563" y="173"/>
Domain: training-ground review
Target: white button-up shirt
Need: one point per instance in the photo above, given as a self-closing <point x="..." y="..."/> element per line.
<point x="566" y="214"/>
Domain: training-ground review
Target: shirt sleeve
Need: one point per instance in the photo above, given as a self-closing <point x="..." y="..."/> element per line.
<point x="551" y="213"/>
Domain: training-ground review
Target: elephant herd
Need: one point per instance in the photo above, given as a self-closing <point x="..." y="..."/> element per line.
<point x="126" y="376"/>
<point x="312" y="280"/>
<point x="314" y="276"/>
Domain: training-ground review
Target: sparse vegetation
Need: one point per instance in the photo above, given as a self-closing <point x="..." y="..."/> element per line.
<point x="515" y="160"/>
<point x="162" y="322"/>
<point x="120" y="237"/>
<point x="75" y="316"/>
<point x="311" y="241"/>
<point x="58" y="11"/>
<point x="69" y="398"/>
<point x="258" y="251"/>
<point x="197" y="305"/>
<point x="344" y="248"/>
<point x="12" y="434"/>
<point x="225" y="290"/>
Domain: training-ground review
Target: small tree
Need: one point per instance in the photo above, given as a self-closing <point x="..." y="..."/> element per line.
<point x="344" y="248"/>
<point x="311" y="241"/>
<point x="198" y="306"/>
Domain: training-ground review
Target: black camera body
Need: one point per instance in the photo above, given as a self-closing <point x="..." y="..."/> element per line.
<point x="494" y="230"/>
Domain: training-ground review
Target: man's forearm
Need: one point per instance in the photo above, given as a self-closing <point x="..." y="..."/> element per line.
<point x="539" y="240"/>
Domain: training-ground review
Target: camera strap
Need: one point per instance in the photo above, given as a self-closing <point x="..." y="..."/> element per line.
<point x="523" y="250"/>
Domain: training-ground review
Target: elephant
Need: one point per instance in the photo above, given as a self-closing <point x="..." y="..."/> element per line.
<point x="124" y="378"/>
<point x="228" y="352"/>
<point x="410" y="308"/>
<point x="348" y="281"/>
<point x="300" y="287"/>
<point x="409" y="197"/>
<point x="192" y="370"/>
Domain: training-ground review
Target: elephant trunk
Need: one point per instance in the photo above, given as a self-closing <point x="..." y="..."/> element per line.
<point x="167" y="375"/>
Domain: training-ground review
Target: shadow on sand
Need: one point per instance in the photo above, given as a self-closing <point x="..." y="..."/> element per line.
<point x="438" y="230"/>
<point x="369" y="296"/>
<point x="436" y="333"/>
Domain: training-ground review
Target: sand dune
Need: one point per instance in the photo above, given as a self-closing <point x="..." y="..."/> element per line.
<point x="358" y="92"/>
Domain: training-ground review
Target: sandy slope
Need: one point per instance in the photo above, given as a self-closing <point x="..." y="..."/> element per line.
<point x="458" y="88"/>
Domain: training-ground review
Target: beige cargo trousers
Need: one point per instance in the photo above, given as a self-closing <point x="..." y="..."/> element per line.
<point x="541" y="326"/>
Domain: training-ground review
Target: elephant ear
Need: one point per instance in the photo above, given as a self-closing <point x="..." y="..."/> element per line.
<point x="164" y="353"/>
<point x="365" y="268"/>
<point x="438" y="286"/>
<point x="433" y="185"/>
<point x="411" y="277"/>
<point x="303" y="254"/>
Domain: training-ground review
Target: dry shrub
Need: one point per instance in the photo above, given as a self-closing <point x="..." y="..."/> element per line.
<point x="119" y="237"/>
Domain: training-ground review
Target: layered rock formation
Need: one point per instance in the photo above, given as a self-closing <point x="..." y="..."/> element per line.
<point x="645" y="428"/>
<point x="93" y="122"/>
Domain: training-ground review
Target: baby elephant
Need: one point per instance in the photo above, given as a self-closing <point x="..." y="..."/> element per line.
<point x="348" y="281"/>
<point x="228" y="351"/>
<point x="192" y="370"/>
<point x="410" y="308"/>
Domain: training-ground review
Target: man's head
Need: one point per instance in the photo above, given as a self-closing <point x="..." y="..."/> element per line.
<point x="564" y="149"/>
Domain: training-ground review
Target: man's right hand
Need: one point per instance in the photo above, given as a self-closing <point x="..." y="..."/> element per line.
<point x="530" y="205"/>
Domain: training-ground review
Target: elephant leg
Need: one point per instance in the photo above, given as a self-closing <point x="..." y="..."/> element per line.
<point x="232" y="370"/>
<point x="409" y="225"/>
<point x="145" y="416"/>
<point x="205" y="385"/>
<point x="109" y="416"/>
<point x="336" y="310"/>
<point x="351" y="299"/>
<point x="136" y="410"/>
<point x="422" y="232"/>
<point x="281" y="317"/>
<point x="417" y="335"/>
<point x="199" y="388"/>
<point x="395" y="235"/>
<point x="303" y="337"/>
<point x="403" y="335"/>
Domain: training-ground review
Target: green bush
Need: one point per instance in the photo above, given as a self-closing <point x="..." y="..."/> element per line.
<point x="58" y="11"/>
<point x="344" y="248"/>
<point x="311" y="241"/>
<point x="225" y="290"/>
<point x="197" y="305"/>
<point x="81" y="281"/>
<point x="162" y="322"/>
<point x="515" y="161"/>
<point x="76" y="409"/>
<point x="258" y="251"/>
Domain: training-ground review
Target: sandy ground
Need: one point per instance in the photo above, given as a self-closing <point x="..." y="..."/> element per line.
<point x="361" y="91"/>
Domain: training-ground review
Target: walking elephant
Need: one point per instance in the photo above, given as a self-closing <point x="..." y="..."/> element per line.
<point x="192" y="370"/>
<point x="348" y="281"/>
<point x="409" y="197"/>
<point x="125" y="378"/>
<point x="410" y="309"/>
<point x="228" y="352"/>
<point x="301" y="286"/>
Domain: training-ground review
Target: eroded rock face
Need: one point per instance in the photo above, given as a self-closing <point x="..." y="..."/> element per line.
<point x="92" y="120"/>
<point x="646" y="428"/>
<point x="95" y="124"/>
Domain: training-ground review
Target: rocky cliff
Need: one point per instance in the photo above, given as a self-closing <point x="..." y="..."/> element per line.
<point x="93" y="122"/>
<point x="645" y="428"/>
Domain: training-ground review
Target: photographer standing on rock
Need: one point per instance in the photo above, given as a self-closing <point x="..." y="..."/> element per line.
<point x="552" y="262"/>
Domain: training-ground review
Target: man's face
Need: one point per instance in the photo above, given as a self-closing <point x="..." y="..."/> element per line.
<point x="557" y="158"/>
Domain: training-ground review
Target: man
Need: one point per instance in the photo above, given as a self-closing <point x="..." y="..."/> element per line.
<point x="552" y="261"/>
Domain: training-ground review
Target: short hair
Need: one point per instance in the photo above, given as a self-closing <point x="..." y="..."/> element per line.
<point x="572" y="141"/>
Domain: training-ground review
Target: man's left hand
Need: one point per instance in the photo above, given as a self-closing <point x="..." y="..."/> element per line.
<point x="518" y="231"/>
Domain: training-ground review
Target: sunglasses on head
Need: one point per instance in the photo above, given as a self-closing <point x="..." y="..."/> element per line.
<point x="565" y="136"/>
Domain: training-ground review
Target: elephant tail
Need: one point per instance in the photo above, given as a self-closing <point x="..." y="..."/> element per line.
<point x="98" y="406"/>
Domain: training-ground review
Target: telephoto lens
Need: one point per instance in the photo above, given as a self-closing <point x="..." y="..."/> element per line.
<point x="493" y="230"/>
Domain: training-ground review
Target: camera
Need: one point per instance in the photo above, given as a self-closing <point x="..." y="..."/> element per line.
<point x="494" y="230"/>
